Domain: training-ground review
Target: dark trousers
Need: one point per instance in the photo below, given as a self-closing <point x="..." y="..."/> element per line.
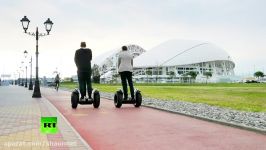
<point x="56" y="83"/>
<point x="126" y="76"/>
<point x="84" y="79"/>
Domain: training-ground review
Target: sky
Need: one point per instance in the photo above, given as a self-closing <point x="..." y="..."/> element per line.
<point x="237" y="26"/>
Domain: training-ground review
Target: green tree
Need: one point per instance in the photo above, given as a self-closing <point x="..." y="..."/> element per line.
<point x="259" y="74"/>
<point x="171" y="75"/>
<point x="207" y="75"/>
<point x="95" y="74"/>
<point x="148" y="73"/>
<point x="115" y="77"/>
<point x="193" y="74"/>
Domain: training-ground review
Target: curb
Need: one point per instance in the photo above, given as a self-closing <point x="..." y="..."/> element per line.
<point x="260" y="131"/>
<point x="72" y="128"/>
<point x="230" y="124"/>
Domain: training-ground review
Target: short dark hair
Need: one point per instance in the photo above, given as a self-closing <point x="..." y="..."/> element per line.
<point x="124" y="48"/>
<point x="83" y="44"/>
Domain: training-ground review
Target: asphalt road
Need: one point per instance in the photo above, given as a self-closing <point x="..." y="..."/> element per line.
<point x="146" y="128"/>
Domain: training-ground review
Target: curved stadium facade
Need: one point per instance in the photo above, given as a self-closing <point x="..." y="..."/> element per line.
<point x="171" y="61"/>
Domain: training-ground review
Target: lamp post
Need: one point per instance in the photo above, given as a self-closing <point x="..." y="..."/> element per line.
<point x="26" y="82"/>
<point x="48" y="26"/>
<point x="31" y="85"/>
<point x="22" y="83"/>
<point x="18" y="78"/>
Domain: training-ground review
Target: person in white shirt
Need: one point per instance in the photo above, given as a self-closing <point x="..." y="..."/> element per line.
<point x="125" y="69"/>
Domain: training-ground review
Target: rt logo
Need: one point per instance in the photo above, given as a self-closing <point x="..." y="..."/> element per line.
<point x="49" y="125"/>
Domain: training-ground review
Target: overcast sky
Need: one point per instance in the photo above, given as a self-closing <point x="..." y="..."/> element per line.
<point x="237" y="26"/>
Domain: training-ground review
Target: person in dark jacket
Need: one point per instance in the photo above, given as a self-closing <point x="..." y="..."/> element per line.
<point x="57" y="81"/>
<point x="125" y="69"/>
<point x="82" y="59"/>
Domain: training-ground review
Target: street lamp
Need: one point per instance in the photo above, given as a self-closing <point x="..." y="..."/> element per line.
<point x="31" y="85"/>
<point x="25" y="55"/>
<point x="48" y="26"/>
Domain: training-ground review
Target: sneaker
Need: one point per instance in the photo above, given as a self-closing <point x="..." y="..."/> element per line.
<point x="82" y="99"/>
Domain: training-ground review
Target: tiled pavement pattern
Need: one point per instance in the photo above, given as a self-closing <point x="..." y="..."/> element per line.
<point x="20" y="123"/>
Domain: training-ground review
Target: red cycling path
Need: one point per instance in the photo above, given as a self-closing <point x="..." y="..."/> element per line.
<point x="146" y="128"/>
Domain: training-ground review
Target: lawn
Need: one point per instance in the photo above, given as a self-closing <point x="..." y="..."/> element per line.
<point x="239" y="96"/>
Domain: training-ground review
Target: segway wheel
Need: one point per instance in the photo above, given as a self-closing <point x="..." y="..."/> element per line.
<point x="138" y="99"/>
<point x="118" y="99"/>
<point x="74" y="100"/>
<point x="96" y="99"/>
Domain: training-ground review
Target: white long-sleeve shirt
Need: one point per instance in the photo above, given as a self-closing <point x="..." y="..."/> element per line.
<point x="125" y="62"/>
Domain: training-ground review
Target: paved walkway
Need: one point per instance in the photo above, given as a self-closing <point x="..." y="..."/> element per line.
<point x="146" y="128"/>
<point x="20" y="123"/>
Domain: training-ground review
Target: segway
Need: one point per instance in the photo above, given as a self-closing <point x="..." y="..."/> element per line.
<point x="119" y="99"/>
<point x="75" y="100"/>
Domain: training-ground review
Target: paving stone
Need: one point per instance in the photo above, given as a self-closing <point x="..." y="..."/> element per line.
<point x="20" y="115"/>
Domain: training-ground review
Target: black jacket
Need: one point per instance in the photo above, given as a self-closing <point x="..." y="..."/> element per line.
<point x="83" y="59"/>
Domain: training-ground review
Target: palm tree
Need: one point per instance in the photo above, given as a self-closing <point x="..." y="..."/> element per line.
<point x="208" y="75"/>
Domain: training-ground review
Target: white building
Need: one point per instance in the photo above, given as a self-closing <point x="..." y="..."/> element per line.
<point x="171" y="61"/>
<point x="107" y="62"/>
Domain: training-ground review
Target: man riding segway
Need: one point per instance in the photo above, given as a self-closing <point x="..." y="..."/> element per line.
<point x="125" y="69"/>
<point x="82" y="60"/>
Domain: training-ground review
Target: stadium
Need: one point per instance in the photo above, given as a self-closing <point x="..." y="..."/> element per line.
<point x="171" y="61"/>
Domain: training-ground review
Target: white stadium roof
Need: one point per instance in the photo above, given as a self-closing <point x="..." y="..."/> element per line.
<point x="101" y="58"/>
<point x="180" y="52"/>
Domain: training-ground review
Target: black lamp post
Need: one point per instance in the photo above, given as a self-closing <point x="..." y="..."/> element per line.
<point x="26" y="82"/>
<point x="48" y="26"/>
<point x="22" y="83"/>
<point x="30" y="85"/>
<point x="18" y="78"/>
